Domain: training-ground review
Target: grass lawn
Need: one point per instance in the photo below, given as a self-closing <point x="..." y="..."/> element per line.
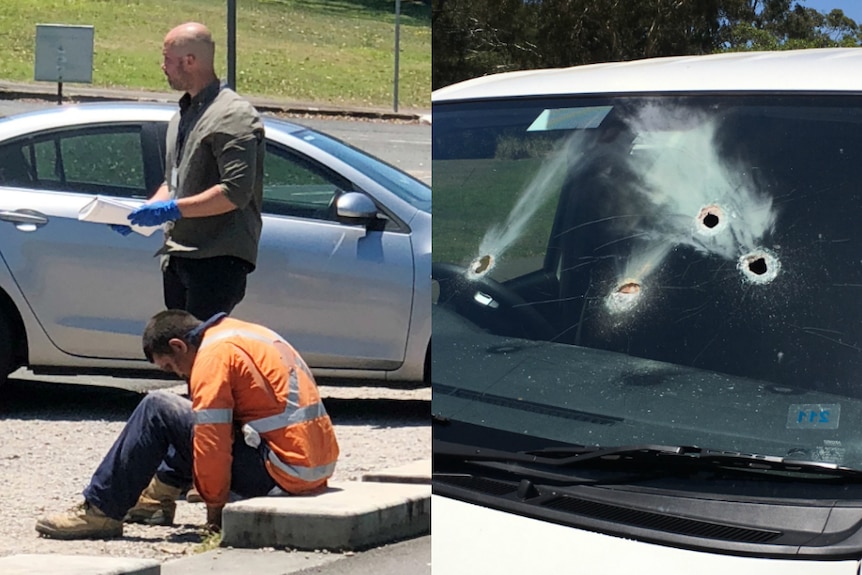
<point x="337" y="52"/>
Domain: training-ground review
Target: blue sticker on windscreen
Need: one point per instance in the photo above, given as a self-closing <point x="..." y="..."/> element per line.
<point x="813" y="416"/>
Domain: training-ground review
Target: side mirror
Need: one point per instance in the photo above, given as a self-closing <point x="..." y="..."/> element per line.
<point x="355" y="207"/>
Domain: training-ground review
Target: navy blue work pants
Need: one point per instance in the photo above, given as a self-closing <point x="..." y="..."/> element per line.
<point x="157" y="439"/>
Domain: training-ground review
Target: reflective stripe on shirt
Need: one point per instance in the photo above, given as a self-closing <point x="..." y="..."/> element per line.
<point x="291" y="414"/>
<point x="288" y="417"/>
<point x="292" y="390"/>
<point x="302" y="472"/>
<point x="203" y="416"/>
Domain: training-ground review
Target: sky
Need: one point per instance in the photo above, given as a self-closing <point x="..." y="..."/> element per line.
<point x="851" y="8"/>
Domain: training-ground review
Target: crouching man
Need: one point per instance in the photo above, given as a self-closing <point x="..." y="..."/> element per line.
<point x="255" y="423"/>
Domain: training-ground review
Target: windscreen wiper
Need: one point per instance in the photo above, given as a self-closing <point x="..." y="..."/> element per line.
<point x="768" y="463"/>
<point x="645" y="456"/>
<point x="454" y="457"/>
<point x="554" y="456"/>
<point x="566" y="456"/>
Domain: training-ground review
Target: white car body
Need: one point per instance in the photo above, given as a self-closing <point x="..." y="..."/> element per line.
<point x="472" y="539"/>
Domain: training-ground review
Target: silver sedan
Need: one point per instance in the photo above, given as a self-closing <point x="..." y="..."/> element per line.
<point x="344" y="269"/>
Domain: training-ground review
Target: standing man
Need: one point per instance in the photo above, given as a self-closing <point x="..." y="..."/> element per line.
<point x="213" y="190"/>
<point x="255" y="422"/>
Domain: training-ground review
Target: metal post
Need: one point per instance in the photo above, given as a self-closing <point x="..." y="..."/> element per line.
<point x="397" y="51"/>
<point x="61" y="68"/>
<point x="231" y="44"/>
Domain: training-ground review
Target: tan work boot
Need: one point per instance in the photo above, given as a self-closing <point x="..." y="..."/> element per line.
<point x="84" y="521"/>
<point x="192" y="496"/>
<point x="156" y="504"/>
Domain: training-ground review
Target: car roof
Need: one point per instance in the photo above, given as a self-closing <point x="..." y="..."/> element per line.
<point x="52" y="117"/>
<point x="811" y="70"/>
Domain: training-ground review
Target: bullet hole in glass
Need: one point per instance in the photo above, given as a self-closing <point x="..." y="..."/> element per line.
<point x="758" y="266"/>
<point x="710" y="220"/>
<point x="624" y="297"/>
<point x="481" y="265"/>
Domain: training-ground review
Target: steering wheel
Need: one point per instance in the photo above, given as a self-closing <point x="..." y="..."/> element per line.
<point x="488" y="303"/>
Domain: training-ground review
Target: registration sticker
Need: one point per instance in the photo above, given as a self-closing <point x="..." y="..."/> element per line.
<point x="813" y="416"/>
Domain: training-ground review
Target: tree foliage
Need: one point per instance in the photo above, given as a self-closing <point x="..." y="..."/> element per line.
<point x="477" y="37"/>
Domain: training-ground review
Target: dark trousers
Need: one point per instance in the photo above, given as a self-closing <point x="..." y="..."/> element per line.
<point x="157" y="440"/>
<point x="205" y="287"/>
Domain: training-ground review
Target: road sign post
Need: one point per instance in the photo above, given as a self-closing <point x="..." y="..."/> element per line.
<point x="231" y="44"/>
<point x="64" y="53"/>
<point x="397" y="53"/>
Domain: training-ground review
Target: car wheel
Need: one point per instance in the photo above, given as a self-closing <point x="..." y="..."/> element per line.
<point x="510" y="315"/>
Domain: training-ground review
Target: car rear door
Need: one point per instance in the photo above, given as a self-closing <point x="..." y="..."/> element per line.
<point x="91" y="289"/>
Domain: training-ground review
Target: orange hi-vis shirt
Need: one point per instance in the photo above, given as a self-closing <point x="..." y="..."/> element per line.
<point x="245" y="375"/>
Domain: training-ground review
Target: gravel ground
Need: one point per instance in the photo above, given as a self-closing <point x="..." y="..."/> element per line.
<point x="55" y="434"/>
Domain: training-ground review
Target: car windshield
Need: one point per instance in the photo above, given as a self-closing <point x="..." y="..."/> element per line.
<point x="400" y="183"/>
<point x="676" y="270"/>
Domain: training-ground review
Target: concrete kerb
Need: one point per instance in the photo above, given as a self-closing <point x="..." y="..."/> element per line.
<point x="416" y="472"/>
<point x="268" y="561"/>
<point x="382" y="509"/>
<point x="23" y="91"/>
<point x="388" y="505"/>
<point x="352" y="515"/>
<point x="46" y="564"/>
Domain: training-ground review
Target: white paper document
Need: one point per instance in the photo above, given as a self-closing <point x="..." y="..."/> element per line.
<point x="108" y="210"/>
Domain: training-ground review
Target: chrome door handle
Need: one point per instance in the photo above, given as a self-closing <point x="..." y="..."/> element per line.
<point x="24" y="217"/>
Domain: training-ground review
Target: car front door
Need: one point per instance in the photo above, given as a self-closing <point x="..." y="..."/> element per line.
<point x="91" y="288"/>
<point x="341" y="293"/>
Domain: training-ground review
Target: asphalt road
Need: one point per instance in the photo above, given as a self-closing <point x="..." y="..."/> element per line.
<point x="413" y="557"/>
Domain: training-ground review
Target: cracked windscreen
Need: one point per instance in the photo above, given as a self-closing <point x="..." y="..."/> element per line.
<point x="689" y="265"/>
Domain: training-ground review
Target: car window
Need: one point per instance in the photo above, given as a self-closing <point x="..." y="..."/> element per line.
<point x="297" y="186"/>
<point x="15" y="170"/>
<point x="695" y="237"/>
<point x="400" y="183"/>
<point x="107" y="161"/>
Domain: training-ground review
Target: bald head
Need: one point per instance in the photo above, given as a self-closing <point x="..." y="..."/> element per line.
<point x="189" y="53"/>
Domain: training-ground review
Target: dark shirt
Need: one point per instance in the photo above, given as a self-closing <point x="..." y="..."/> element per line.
<point x="191" y="109"/>
<point x="216" y="138"/>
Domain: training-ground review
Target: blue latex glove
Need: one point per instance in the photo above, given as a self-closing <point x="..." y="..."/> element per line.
<point x="155" y="213"/>
<point x="120" y="229"/>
